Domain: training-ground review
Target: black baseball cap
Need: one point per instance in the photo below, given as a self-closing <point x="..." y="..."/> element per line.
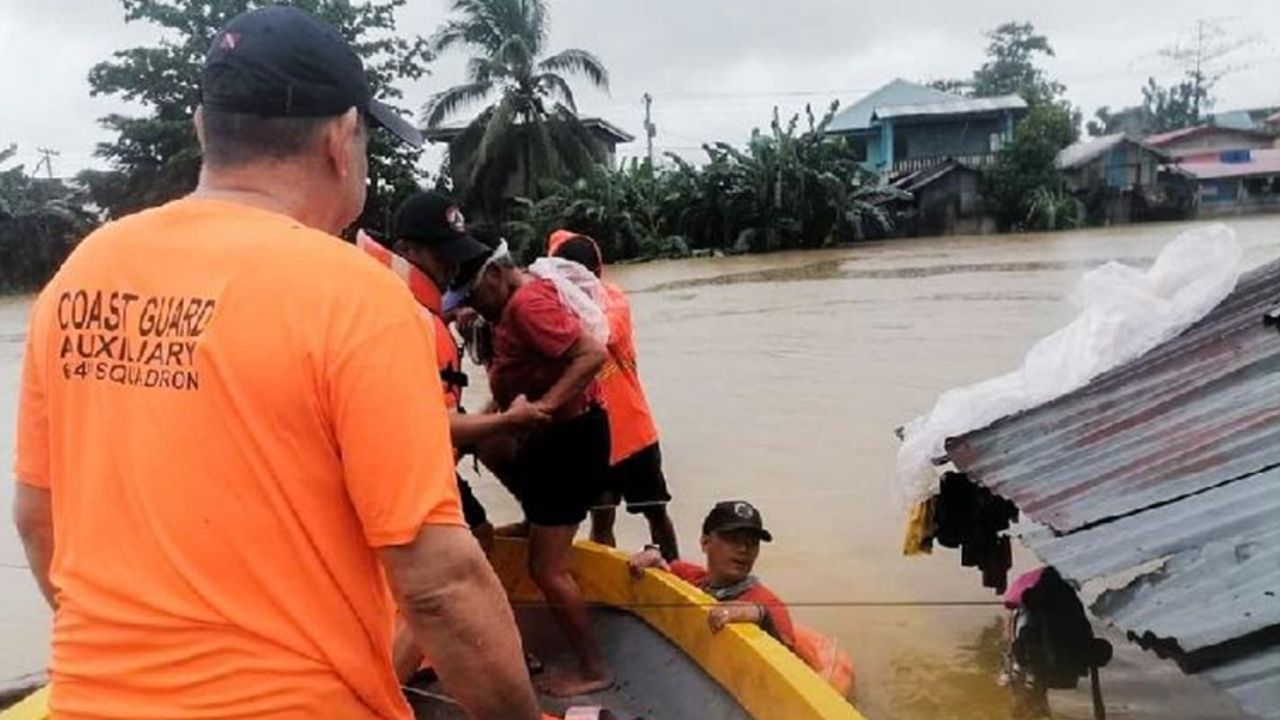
<point x="733" y="515"/>
<point x="285" y="62"/>
<point x="434" y="220"/>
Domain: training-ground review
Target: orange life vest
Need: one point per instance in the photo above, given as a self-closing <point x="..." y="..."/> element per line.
<point x="424" y="290"/>
<point x="824" y="654"/>
<point x="631" y="425"/>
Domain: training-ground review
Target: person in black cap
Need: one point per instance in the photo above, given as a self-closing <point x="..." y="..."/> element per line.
<point x="245" y="413"/>
<point x="731" y="537"/>
<point x="430" y="234"/>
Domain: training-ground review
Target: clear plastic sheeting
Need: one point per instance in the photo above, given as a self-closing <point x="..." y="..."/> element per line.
<point x="580" y="290"/>
<point x="1124" y="312"/>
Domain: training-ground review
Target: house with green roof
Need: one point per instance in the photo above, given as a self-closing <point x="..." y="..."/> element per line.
<point x="905" y="127"/>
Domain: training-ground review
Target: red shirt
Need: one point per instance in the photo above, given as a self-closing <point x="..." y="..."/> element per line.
<point x="530" y="343"/>
<point x="779" y="618"/>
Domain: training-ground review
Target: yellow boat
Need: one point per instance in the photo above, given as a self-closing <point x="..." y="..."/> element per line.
<point x="654" y="633"/>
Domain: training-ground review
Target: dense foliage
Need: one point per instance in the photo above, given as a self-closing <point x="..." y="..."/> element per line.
<point x="40" y="221"/>
<point x="790" y="187"/>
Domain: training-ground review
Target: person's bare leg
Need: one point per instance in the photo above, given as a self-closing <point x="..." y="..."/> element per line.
<point x="602" y="521"/>
<point x="549" y="549"/>
<point x="663" y="531"/>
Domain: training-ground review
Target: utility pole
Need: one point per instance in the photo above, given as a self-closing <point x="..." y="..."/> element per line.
<point x="649" y="129"/>
<point x="46" y="159"/>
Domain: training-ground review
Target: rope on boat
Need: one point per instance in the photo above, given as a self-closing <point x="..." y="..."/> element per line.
<point x="430" y="695"/>
<point x="810" y="604"/>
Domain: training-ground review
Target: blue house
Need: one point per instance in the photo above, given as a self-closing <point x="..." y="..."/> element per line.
<point x="904" y="127"/>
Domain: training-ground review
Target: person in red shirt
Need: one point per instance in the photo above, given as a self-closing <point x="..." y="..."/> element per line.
<point x="542" y="350"/>
<point x="731" y="536"/>
<point x="428" y="244"/>
<point x="635" y="472"/>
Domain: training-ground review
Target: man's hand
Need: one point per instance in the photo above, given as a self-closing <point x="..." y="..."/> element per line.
<point x="647" y="558"/>
<point x="722" y="615"/>
<point x="524" y="415"/>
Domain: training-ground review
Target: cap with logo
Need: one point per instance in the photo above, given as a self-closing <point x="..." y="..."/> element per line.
<point x="733" y="515"/>
<point x="434" y="220"/>
<point x="285" y="62"/>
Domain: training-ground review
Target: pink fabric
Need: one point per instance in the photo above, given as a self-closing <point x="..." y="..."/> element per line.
<point x="1025" y="581"/>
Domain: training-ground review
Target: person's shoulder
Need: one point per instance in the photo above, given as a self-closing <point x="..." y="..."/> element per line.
<point x="687" y="571"/>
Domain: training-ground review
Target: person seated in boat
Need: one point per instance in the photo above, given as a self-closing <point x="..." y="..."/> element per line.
<point x="216" y="499"/>
<point x="635" y="463"/>
<point x="543" y="351"/>
<point x="731" y="537"/>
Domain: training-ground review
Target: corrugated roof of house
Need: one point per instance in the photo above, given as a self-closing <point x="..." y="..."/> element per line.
<point x="899" y="92"/>
<point x="1261" y="162"/>
<point x="1085" y="151"/>
<point x="1166" y="470"/>
<point x="958" y="106"/>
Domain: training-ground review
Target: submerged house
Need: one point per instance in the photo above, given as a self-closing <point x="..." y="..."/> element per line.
<point x="932" y="144"/>
<point x="1236" y="182"/>
<point x="1117" y="176"/>
<point x="905" y="127"/>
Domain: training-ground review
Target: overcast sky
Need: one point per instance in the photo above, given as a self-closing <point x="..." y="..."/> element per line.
<point x="714" y="67"/>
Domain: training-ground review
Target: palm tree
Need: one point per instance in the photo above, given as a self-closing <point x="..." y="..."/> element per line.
<point x="532" y="131"/>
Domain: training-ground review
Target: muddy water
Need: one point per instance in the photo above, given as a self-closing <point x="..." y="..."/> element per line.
<point x="780" y="379"/>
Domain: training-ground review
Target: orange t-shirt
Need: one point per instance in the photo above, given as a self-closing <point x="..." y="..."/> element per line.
<point x="631" y="425"/>
<point x="222" y="402"/>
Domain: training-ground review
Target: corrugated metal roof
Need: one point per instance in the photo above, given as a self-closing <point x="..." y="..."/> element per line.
<point x="1173" y="459"/>
<point x="899" y="92"/>
<point x="1262" y="162"/>
<point x="1087" y="150"/>
<point x="957" y="106"/>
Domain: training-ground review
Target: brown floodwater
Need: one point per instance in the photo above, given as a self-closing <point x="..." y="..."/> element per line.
<point x="780" y="379"/>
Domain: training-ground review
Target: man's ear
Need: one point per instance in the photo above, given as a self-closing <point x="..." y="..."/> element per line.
<point x="198" y="121"/>
<point x="339" y="143"/>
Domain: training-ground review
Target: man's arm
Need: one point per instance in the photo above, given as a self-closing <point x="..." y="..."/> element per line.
<point x="457" y="610"/>
<point x="33" y="515"/>
<point x="468" y="429"/>
<point x="586" y="356"/>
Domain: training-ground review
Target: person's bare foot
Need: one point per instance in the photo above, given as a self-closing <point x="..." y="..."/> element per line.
<point x="565" y="684"/>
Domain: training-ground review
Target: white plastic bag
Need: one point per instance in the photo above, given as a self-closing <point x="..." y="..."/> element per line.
<point x="580" y="290"/>
<point x="1124" y="312"/>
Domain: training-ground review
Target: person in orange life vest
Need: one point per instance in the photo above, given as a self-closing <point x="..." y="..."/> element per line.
<point x="226" y="531"/>
<point x="543" y="350"/>
<point x="731" y="536"/>
<point x="635" y="472"/>
<point x="429" y="232"/>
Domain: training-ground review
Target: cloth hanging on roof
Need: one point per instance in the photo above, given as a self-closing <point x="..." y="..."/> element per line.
<point x="972" y="518"/>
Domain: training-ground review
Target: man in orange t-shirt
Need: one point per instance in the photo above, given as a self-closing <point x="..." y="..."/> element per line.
<point x="229" y="439"/>
<point x="635" y="463"/>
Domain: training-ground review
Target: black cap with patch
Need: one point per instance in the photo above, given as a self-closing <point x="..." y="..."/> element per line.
<point x="285" y="62"/>
<point x="735" y="515"/>
<point x="434" y="220"/>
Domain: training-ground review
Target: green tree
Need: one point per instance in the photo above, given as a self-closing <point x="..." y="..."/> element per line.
<point x="1011" y="67"/>
<point x="155" y="157"/>
<point x="1023" y="184"/>
<point x="531" y="133"/>
<point x="789" y="187"/>
<point x="41" y="219"/>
